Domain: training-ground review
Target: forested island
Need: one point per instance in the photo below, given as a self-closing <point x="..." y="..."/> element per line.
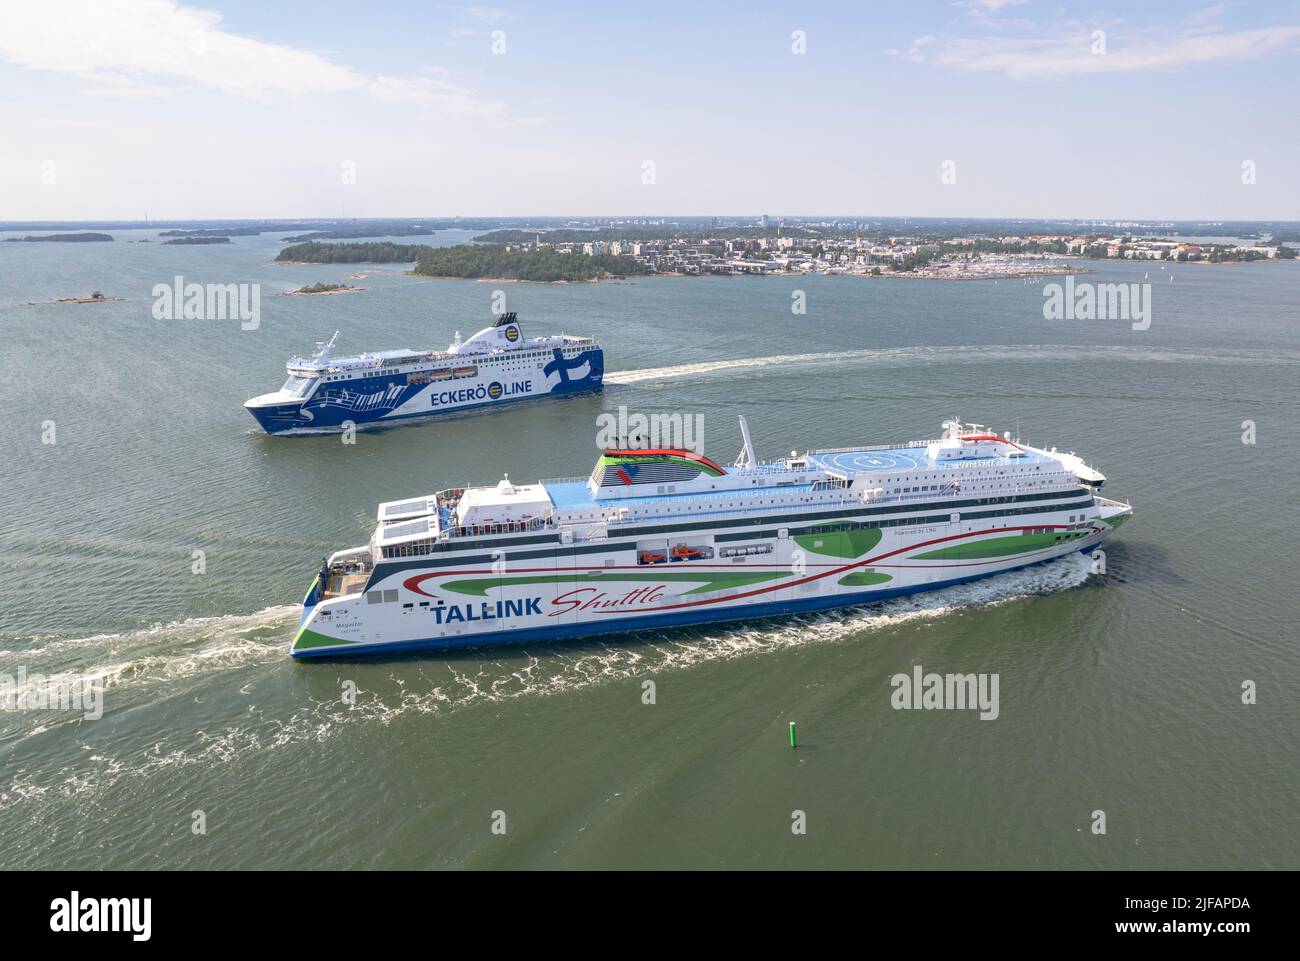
<point x="495" y="262"/>
<point x="370" y="230"/>
<point x="212" y="232"/>
<point x="195" y="240"/>
<point x="376" y="252"/>
<point x="86" y="238"/>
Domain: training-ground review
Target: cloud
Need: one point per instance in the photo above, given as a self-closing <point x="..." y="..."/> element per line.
<point x="1057" y="55"/>
<point x="989" y="6"/>
<point x="129" y="48"/>
<point x="491" y="14"/>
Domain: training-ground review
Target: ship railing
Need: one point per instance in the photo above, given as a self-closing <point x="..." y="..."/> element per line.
<point x="910" y="445"/>
<point x="353" y="556"/>
<point x="494" y="530"/>
<point x="767" y="467"/>
<point x="948" y="492"/>
<point x="1109" y="501"/>
<point x="765" y="509"/>
<point x="953" y="491"/>
<point x="564" y="480"/>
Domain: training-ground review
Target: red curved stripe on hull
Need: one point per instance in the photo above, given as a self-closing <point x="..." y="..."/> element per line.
<point x="413" y="583"/>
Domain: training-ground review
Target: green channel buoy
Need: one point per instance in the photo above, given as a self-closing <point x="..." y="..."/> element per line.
<point x="793" y="742"/>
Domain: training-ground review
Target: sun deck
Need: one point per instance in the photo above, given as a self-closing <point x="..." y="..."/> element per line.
<point x="874" y="460"/>
<point x="341" y="585"/>
<point x="575" y="495"/>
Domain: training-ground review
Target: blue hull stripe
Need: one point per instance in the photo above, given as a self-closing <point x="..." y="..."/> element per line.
<point x="682" y="619"/>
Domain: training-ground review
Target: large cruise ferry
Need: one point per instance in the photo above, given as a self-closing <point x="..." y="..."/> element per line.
<point x="495" y="366"/>
<point x="656" y="538"/>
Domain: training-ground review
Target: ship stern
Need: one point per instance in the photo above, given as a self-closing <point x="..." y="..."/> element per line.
<point x="329" y="606"/>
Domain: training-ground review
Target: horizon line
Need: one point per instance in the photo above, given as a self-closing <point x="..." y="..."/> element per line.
<point x="664" y="217"/>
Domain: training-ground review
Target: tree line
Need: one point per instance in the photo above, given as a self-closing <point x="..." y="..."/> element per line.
<point x="497" y="262"/>
<point x="377" y="252"/>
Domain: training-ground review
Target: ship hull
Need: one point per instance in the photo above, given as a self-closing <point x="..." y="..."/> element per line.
<point x="634" y="624"/>
<point x="556" y="595"/>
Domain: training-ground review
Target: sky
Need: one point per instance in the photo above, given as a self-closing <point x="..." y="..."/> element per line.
<point x="112" y="109"/>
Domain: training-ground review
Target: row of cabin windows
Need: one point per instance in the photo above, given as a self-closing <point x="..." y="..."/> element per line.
<point x="660" y="511"/>
<point x="473" y="372"/>
<point x="958" y="473"/>
<point x="420" y="548"/>
<point x="539" y="355"/>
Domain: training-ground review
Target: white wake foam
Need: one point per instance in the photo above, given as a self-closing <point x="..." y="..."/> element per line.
<point x="981" y="353"/>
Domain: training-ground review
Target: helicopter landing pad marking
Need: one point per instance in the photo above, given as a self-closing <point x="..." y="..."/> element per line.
<point x="854" y="462"/>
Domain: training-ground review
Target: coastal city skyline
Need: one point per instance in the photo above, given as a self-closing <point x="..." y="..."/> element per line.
<point x="987" y="108"/>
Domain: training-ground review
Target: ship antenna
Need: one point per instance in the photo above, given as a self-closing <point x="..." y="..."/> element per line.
<point x="746" y="456"/>
<point x="323" y="350"/>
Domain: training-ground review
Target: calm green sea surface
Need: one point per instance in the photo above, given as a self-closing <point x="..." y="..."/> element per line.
<point x="1120" y="693"/>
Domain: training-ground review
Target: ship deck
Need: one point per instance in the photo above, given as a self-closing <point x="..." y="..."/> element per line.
<point x="567" y="495"/>
<point x="340" y="585"/>
<point x="848" y="463"/>
<point x="851" y="463"/>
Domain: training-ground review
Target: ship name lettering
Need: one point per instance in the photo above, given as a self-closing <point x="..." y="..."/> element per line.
<point x="588" y="598"/>
<point x="487" y="610"/>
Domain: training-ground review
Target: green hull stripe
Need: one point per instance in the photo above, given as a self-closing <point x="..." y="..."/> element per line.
<point x="999" y="546"/>
<point x="308" y="638"/>
<point x="847" y="544"/>
<point x="864" y="579"/>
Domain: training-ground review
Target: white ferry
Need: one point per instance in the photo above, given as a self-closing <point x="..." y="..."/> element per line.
<point x="656" y="538"/>
<point x="497" y="365"/>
